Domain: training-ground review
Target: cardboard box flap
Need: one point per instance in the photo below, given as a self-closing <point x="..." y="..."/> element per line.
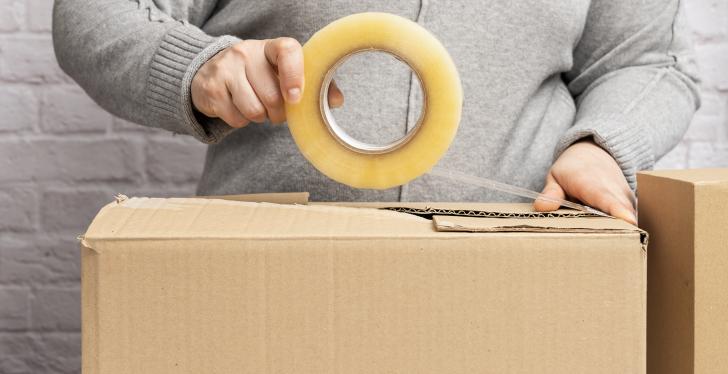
<point x="274" y="198"/>
<point x="157" y="218"/>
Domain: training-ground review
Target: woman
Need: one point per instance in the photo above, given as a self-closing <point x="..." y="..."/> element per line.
<point x="578" y="94"/>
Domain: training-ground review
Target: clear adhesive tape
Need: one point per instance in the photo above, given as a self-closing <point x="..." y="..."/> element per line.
<point x="361" y="165"/>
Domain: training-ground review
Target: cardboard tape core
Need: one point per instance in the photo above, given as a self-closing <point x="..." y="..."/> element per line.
<point x="341" y="135"/>
<point x="359" y="164"/>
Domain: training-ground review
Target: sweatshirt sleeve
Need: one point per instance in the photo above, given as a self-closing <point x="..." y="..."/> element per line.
<point x="136" y="61"/>
<point x="633" y="80"/>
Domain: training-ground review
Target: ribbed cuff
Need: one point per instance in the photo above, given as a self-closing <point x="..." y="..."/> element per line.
<point x="182" y="52"/>
<point x="628" y="144"/>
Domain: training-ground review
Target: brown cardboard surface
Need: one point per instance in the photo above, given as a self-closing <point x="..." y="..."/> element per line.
<point x="216" y="286"/>
<point x="686" y="214"/>
<point x="189" y="218"/>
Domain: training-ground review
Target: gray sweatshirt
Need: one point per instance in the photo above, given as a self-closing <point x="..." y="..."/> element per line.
<point x="537" y="75"/>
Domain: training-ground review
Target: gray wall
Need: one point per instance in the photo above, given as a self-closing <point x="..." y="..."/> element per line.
<point x="62" y="157"/>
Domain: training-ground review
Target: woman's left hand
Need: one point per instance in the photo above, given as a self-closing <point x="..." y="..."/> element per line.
<point x="587" y="173"/>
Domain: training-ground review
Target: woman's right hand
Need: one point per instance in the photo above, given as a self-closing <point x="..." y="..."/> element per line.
<point x="249" y="81"/>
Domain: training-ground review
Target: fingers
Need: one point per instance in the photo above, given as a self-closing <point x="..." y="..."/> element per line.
<point x="607" y="197"/>
<point x="265" y="83"/>
<point x="551" y="190"/>
<point x="286" y="54"/>
<point x="626" y="213"/>
<point x="210" y="97"/>
<point x="336" y="98"/>
<point x="228" y="112"/>
<point x="613" y="205"/>
<point x="624" y="205"/>
<point x="587" y="172"/>
<point x="249" y="81"/>
<point x="245" y="99"/>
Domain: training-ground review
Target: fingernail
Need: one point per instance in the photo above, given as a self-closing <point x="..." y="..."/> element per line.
<point x="633" y="217"/>
<point x="294" y="94"/>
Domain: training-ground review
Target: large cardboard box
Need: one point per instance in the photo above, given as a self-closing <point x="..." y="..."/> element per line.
<point x="218" y="286"/>
<point x="686" y="214"/>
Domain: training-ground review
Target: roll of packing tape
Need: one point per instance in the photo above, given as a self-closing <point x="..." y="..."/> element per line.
<point x="357" y="164"/>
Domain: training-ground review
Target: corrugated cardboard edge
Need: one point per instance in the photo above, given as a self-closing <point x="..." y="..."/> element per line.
<point x="430" y="212"/>
<point x="90" y="313"/>
<point x="192" y="218"/>
<point x="300" y="198"/>
<point x="469" y="209"/>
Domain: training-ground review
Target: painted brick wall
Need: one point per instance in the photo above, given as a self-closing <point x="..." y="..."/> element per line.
<point x="62" y="157"/>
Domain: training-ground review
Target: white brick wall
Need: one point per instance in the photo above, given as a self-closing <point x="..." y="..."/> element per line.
<point x="706" y="142"/>
<point x="62" y="157"/>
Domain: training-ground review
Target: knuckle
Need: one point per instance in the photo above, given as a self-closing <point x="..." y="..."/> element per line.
<point x="216" y="93"/>
<point x="212" y="108"/>
<point x="204" y="107"/>
<point x="210" y="69"/>
<point x="255" y="113"/>
<point x="271" y="98"/>
<point x="209" y="87"/>
<point x="232" y="118"/>
<point x="239" y="51"/>
<point x="238" y="123"/>
<point x="206" y="85"/>
<point x="287" y="45"/>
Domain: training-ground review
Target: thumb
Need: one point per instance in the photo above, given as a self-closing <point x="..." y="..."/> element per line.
<point x="553" y="190"/>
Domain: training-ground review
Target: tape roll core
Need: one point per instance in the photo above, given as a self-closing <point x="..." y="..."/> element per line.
<point x="341" y="135"/>
<point x="350" y="161"/>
